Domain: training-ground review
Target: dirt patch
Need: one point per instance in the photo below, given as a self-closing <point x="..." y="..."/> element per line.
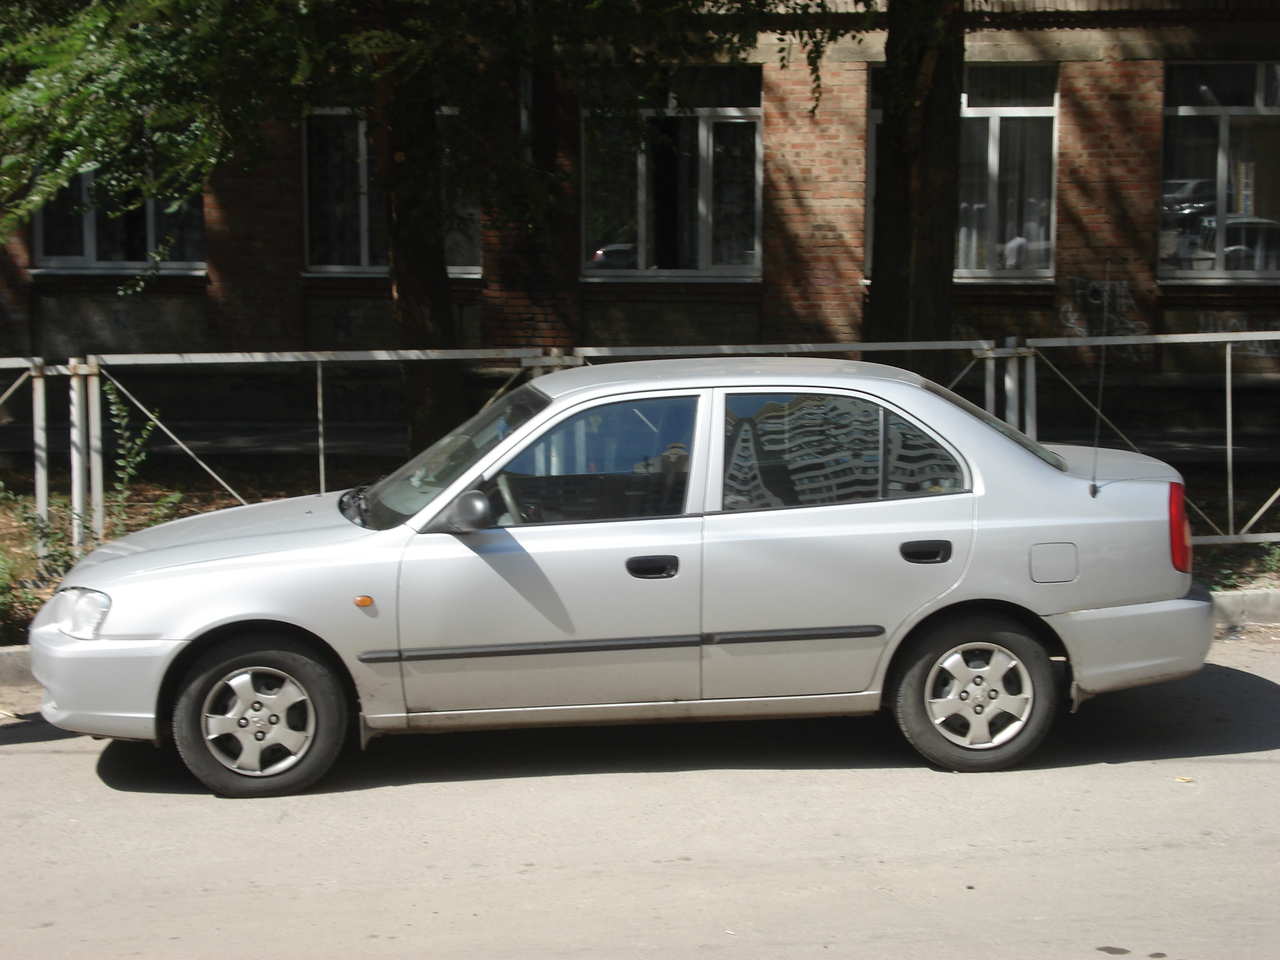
<point x="19" y="704"/>
<point x="1253" y="633"/>
<point x="1248" y="566"/>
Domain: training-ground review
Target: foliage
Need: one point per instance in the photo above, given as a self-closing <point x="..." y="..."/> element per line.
<point x="130" y="454"/>
<point x="1238" y="566"/>
<point x="47" y="541"/>
<point x="18" y="601"/>
<point x="1271" y="558"/>
<point x="154" y="95"/>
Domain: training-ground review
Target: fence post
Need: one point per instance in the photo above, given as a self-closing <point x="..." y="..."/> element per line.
<point x="989" y="384"/>
<point x="320" y="419"/>
<point x="1029" y="425"/>
<point x="1011" y="404"/>
<point x="76" y="427"/>
<point x="40" y="445"/>
<point x="97" y="501"/>
<point x="1231" y="461"/>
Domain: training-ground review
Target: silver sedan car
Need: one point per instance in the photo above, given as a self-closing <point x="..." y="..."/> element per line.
<point x="667" y="540"/>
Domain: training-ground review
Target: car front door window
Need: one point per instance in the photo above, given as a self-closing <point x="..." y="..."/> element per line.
<point x="616" y="461"/>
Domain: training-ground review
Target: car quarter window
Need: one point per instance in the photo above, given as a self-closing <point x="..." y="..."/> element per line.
<point x="616" y="461"/>
<point x="811" y="449"/>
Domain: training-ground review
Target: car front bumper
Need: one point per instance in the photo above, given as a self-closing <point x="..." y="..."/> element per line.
<point x="1118" y="647"/>
<point x="107" y="688"/>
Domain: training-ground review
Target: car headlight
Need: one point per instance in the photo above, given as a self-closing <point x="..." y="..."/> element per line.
<point x="79" y="612"/>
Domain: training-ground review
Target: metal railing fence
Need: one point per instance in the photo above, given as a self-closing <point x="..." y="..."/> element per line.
<point x="1011" y="393"/>
<point x="1024" y="414"/>
<point x="34" y="372"/>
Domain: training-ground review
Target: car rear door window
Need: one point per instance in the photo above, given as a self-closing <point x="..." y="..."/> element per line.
<point x="812" y="449"/>
<point x="916" y="465"/>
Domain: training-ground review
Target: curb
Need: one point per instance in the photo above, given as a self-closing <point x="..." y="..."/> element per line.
<point x="1233" y="607"/>
<point x="15" y="666"/>
<point x="1236" y="607"/>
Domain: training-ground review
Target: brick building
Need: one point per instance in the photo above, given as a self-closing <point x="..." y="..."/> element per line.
<point x="1113" y="150"/>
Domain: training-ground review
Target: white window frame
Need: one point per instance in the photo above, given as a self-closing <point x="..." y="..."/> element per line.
<point x="1218" y="271"/>
<point x="707" y="117"/>
<point x="994" y="115"/>
<point x="88" y="262"/>
<point x="365" y="267"/>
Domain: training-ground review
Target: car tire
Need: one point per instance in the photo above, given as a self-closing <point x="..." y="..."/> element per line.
<point x="976" y="694"/>
<point x="260" y="717"/>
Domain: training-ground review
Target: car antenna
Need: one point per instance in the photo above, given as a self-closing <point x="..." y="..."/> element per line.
<point x="1102" y="376"/>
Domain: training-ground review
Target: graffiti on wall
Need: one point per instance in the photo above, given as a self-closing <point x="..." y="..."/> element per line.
<point x="1103" y="308"/>
<point x="1218" y="322"/>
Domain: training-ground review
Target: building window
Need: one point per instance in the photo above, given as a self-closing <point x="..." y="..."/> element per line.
<point x="686" y="200"/>
<point x="805" y="450"/>
<point x="1220" y="204"/>
<point x="72" y="233"/>
<point x="347" y="207"/>
<point x="1007" y="160"/>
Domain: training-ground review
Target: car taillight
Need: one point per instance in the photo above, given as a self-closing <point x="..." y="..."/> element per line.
<point x="1179" y="529"/>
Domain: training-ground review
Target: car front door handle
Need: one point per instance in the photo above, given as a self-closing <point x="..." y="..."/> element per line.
<point x="653" y="568"/>
<point x="926" y="551"/>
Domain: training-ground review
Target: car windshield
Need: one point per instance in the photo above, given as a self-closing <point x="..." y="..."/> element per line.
<point x="995" y="423"/>
<point x="399" y="495"/>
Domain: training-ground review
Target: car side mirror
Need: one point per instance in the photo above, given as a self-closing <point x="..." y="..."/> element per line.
<point x="467" y="514"/>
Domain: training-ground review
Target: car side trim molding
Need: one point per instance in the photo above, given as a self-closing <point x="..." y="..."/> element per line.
<point x="379" y="656"/>
<point x="526" y="649"/>
<point x="416" y="654"/>
<point x="771" y="636"/>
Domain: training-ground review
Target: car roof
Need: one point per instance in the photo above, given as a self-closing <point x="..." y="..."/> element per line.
<point x="718" y="372"/>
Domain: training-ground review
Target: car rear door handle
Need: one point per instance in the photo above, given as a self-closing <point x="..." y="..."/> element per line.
<point x="653" y="568"/>
<point x="926" y="551"/>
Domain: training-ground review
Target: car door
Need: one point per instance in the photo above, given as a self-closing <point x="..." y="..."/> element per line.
<point x="588" y="589"/>
<point x="838" y="517"/>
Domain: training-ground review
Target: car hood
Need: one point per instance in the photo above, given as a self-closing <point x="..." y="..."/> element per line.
<point x="1112" y="465"/>
<point x="261" y="528"/>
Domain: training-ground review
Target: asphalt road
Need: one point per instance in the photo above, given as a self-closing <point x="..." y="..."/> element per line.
<point x="1149" y="827"/>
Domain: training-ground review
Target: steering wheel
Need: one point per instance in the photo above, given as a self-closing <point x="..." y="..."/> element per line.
<point x="509" y="498"/>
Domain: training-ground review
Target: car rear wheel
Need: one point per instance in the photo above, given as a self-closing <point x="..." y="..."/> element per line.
<point x="260" y="717"/>
<point x="976" y="694"/>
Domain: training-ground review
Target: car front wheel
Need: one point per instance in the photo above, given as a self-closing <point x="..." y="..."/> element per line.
<point x="976" y="694"/>
<point x="260" y="717"/>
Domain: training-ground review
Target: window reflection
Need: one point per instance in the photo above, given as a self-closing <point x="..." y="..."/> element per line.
<point x="793" y="450"/>
<point x="1250" y="235"/>
<point x="1220" y="203"/>
<point x="617" y="461"/>
<point x="916" y="465"/>
<point x="733" y="209"/>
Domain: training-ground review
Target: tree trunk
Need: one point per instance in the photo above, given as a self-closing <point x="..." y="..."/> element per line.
<point x="917" y="160"/>
<point x="421" y="296"/>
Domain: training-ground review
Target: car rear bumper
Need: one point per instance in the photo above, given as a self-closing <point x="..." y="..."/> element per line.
<point x="1118" y="647"/>
<point x="106" y="688"/>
